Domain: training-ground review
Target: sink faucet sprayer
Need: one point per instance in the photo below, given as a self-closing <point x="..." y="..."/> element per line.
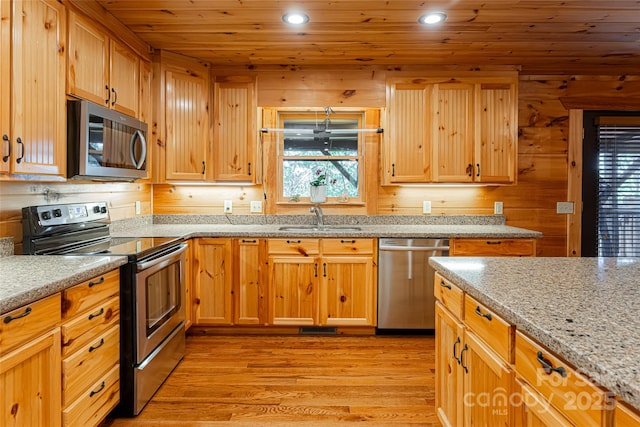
<point x="318" y="211"/>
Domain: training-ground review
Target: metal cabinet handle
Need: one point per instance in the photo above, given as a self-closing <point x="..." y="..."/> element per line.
<point x="294" y="241"/>
<point x="315" y="269"/>
<point x="445" y="284"/>
<point x="495" y="242"/>
<point x="485" y="315"/>
<point x="204" y="167"/>
<point x="470" y="169"/>
<point x="324" y="269"/>
<point x="106" y="101"/>
<point x="249" y="168"/>
<point x="9" y="319"/>
<point x="248" y="241"/>
<point x="99" y="282"/>
<point x="455" y="345"/>
<point x="115" y="97"/>
<point x="477" y="169"/>
<point x="94" y="392"/>
<point x="100" y="313"/>
<point x="548" y="368"/>
<point x="347" y="241"/>
<point x="6" y="139"/>
<point x="393" y="169"/>
<point x="19" y="159"/>
<point x="466" y="368"/>
<point x="95" y="347"/>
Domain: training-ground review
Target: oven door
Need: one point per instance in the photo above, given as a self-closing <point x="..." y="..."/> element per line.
<point x="159" y="298"/>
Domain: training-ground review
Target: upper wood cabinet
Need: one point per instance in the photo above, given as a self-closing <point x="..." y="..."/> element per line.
<point x="235" y="153"/>
<point x="32" y="70"/>
<point x="182" y="149"/>
<point x="451" y="129"/>
<point x="101" y="69"/>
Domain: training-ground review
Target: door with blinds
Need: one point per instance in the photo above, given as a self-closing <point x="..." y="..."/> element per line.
<point x="611" y="184"/>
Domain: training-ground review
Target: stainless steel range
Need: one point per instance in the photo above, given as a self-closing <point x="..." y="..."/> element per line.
<point x="151" y="290"/>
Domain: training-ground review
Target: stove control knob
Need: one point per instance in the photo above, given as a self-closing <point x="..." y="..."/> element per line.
<point x="46" y="215"/>
<point x="96" y="209"/>
<point x="57" y="213"/>
<point x="103" y="209"/>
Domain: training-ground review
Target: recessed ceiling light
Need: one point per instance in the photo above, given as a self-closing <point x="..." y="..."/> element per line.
<point x="432" y="18"/>
<point x="295" y="18"/>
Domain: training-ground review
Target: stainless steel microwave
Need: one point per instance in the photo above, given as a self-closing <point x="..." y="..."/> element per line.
<point x="104" y="144"/>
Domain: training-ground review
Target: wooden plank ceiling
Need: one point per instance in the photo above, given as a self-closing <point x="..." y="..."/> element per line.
<point x="540" y="36"/>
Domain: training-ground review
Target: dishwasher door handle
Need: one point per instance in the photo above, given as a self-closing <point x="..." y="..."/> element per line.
<point x="413" y="248"/>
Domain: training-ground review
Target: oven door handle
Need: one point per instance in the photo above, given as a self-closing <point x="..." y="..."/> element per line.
<point x="163" y="258"/>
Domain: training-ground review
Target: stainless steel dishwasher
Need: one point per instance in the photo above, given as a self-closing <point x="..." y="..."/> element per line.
<point x="405" y="282"/>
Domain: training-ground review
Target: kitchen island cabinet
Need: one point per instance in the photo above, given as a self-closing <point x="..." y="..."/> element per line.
<point x="571" y="349"/>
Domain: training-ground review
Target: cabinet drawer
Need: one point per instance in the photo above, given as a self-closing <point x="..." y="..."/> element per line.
<point x="492" y="247"/>
<point x="85" y="295"/>
<point x="83" y="329"/>
<point x="625" y="416"/>
<point x="448" y="294"/>
<point x="537" y="409"/>
<point x="494" y="330"/>
<point x="573" y="394"/>
<point x="347" y="246"/>
<point x="22" y="324"/>
<point x="96" y="402"/>
<point x="85" y="366"/>
<point x="304" y="247"/>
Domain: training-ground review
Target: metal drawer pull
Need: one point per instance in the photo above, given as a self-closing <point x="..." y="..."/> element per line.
<point x="294" y="241"/>
<point x="548" y="367"/>
<point x="481" y="314"/>
<point x="455" y="344"/>
<point x="9" y="319"/>
<point x="445" y="285"/>
<point x="94" y="392"/>
<point x="494" y="243"/>
<point x="466" y="368"/>
<point x="94" y="348"/>
<point x="100" y="313"/>
<point x="248" y="241"/>
<point x="99" y="282"/>
<point x="347" y="241"/>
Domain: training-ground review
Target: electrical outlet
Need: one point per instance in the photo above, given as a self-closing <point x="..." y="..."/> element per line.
<point x="256" y="206"/>
<point x="426" y="206"/>
<point x="564" y="207"/>
<point x="228" y="206"/>
<point x="497" y="208"/>
<point x="138" y="209"/>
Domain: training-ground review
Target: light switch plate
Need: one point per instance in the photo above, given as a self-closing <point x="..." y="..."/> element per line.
<point x="228" y="206"/>
<point x="564" y="207"/>
<point x="497" y="208"/>
<point x="426" y="206"/>
<point x="256" y="206"/>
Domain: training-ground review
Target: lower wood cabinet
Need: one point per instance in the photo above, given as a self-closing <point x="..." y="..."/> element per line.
<point x="30" y="365"/>
<point x="212" y="259"/>
<point x="322" y="282"/>
<point x="625" y="416"/>
<point x="492" y="247"/>
<point x="249" y="282"/>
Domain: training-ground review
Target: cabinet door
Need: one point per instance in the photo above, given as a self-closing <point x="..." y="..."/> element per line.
<point x="189" y="291"/>
<point x="449" y="379"/>
<point x="536" y="411"/>
<point x="293" y="283"/>
<point x="5" y="86"/>
<point x="347" y="291"/>
<point x="213" y="281"/>
<point x="497" y="133"/>
<point x="88" y="71"/>
<point x="145" y="94"/>
<point x="407" y="147"/>
<point x="249" y="283"/>
<point x="30" y="380"/>
<point x="488" y="382"/>
<point x="453" y="133"/>
<point x="38" y="81"/>
<point x="234" y="134"/>
<point x="186" y="127"/>
<point x="124" y="79"/>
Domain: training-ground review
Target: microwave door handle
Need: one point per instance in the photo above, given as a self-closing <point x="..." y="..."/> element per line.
<point x="143" y="156"/>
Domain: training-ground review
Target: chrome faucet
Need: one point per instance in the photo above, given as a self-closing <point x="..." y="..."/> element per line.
<point x="318" y="211"/>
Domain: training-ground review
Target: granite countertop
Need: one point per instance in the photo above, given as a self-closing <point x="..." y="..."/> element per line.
<point x="583" y="309"/>
<point x="385" y="230"/>
<point x="24" y="278"/>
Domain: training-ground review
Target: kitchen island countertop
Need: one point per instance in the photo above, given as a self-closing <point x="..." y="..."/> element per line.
<point x="27" y="278"/>
<point x="583" y="309"/>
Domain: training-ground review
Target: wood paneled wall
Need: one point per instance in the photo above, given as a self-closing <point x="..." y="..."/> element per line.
<point x="542" y="162"/>
<point x="16" y="195"/>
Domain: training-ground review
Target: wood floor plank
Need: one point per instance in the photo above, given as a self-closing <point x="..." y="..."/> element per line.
<point x="283" y="381"/>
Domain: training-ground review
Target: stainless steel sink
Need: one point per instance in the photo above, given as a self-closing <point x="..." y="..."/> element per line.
<point x="311" y="228"/>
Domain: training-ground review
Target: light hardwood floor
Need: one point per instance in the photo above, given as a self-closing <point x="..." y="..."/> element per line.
<point x="297" y="381"/>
